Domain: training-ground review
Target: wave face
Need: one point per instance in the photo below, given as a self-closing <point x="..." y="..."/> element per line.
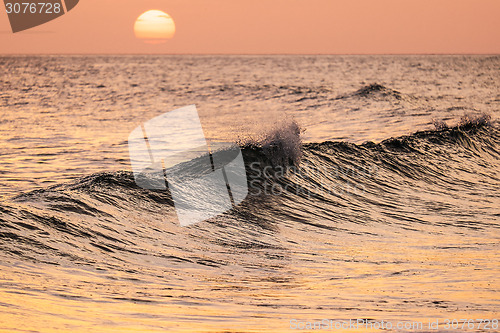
<point x="433" y="178"/>
<point x="405" y="227"/>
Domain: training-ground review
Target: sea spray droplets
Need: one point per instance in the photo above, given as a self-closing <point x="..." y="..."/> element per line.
<point x="282" y="144"/>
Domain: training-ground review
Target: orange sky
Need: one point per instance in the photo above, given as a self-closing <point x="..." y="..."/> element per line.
<point x="270" y="26"/>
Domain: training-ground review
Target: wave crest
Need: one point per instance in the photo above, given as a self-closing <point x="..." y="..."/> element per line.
<point x="377" y="91"/>
<point x="282" y="145"/>
<point x="466" y="122"/>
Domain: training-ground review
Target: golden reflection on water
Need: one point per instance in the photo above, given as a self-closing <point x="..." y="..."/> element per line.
<point x="409" y="279"/>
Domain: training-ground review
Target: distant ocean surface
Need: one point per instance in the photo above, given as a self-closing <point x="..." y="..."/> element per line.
<point x="389" y="208"/>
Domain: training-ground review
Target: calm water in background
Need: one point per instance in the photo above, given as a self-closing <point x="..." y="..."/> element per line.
<point x="413" y="235"/>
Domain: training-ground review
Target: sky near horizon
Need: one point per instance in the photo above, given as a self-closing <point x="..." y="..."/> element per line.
<point x="269" y="27"/>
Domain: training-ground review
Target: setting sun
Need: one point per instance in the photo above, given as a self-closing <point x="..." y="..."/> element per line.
<point x="154" y="26"/>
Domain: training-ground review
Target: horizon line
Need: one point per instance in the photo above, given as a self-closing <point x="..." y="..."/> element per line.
<point x="249" y="54"/>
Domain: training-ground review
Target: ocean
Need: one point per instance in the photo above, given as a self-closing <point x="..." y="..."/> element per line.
<point x="373" y="195"/>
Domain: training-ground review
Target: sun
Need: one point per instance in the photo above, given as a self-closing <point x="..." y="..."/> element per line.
<point x="154" y="26"/>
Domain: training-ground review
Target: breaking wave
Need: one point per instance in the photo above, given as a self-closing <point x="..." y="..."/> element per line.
<point x="332" y="185"/>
